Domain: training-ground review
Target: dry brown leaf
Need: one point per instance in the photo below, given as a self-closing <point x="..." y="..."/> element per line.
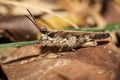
<point x="21" y="53"/>
<point x="19" y="28"/>
<point x="93" y="63"/>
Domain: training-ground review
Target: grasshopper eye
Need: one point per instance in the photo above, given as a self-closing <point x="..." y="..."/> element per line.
<point x="43" y="30"/>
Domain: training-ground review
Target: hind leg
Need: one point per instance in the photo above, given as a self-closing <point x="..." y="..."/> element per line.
<point x="90" y="43"/>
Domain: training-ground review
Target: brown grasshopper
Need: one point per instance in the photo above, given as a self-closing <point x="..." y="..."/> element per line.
<point x="68" y="39"/>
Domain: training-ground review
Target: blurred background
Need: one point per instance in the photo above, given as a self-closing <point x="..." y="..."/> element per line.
<point x="76" y="15"/>
<point x="81" y="15"/>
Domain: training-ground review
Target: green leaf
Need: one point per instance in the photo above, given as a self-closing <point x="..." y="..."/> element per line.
<point x="18" y="44"/>
<point x="110" y="27"/>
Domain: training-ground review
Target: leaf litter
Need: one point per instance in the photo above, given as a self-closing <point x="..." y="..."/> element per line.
<point x="94" y="63"/>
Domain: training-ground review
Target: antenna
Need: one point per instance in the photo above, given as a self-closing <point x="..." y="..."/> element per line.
<point x="33" y="19"/>
<point x="42" y="30"/>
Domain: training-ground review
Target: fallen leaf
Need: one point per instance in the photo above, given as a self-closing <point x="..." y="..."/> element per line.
<point x="93" y="63"/>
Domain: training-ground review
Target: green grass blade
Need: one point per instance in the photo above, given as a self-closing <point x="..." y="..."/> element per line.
<point x="87" y="29"/>
<point x="18" y="44"/>
<point x="110" y="27"/>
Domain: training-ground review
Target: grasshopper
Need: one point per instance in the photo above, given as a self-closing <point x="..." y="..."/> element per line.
<point x="71" y="40"/>
<point x="68" y="39"/>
